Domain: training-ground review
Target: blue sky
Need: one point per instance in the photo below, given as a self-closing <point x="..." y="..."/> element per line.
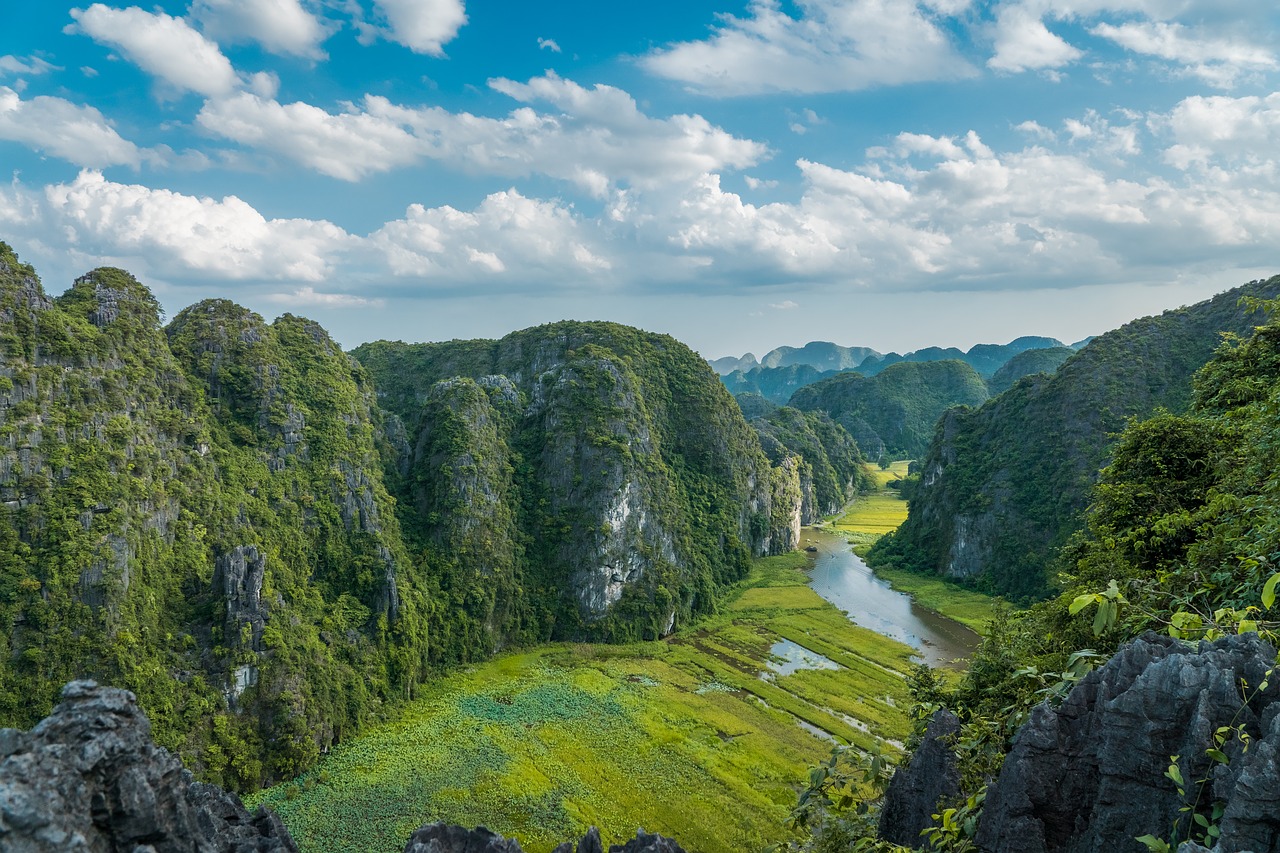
<point x="887" y="173"/>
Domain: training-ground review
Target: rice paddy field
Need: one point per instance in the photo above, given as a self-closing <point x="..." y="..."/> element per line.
<point x="705" y="736"/>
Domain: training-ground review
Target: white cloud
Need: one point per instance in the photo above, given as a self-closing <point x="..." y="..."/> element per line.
<point x="757" y="183"/>
<point x="161" y="45"/>
<point x="784" y="305"/>
<point x="536" y="241"/>
<point x="181" y="235"/>
<point x="423" y="26"/>
<point x="309" y="297"/>
<point x="281" y="26"/>
<point x="1218" y="61"/>
<point x="33" y="65"/>
<point x="78" y="134"/>
<point x="834" y="46"/>
<point x="1023" y="43"/>
<point x="598" y="139"/>
<point x="548" y="44"/>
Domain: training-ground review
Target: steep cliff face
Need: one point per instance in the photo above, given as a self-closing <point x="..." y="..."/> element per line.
<point x="1003" y="486"/>
<point x="830" y="465"/>
<point x="635" y="488"/>
<point x="199" y="516"/>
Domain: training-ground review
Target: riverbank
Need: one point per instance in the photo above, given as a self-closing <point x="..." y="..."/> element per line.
<point x="880" y="512"/>
<point x="703" y="736"/>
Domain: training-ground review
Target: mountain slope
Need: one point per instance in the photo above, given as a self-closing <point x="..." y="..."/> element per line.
<point x="1003" y="486"/>
<point x="636" y="489"/>
<point x="1028" y="363"/>
<point x="894" y="411"/>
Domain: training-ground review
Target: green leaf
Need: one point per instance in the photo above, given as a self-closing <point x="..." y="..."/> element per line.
<point x="1155" y="845"/>
<point x="1083" y="601"/>
<point x="1218" y="756"/>
<point x="1269" y="591"/>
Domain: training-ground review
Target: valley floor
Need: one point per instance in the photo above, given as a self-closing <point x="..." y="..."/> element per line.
<point x="698" y="737"/>
<point x="880" y="512"/>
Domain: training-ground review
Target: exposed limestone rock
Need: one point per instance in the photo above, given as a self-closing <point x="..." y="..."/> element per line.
<point x="1090" y="774"/>
<point x="88" y="779"/>
<point x="787" y="506"/>
<point x="920" y="786"/>
<point x="237" y="577"/>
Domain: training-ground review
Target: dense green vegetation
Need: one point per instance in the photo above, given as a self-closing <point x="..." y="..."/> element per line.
<point x="681" y="737"/>
<point x="204" y="513"/>
<point x="832" y="468"/>
<point x="198" y="517"/>
<point x="572" y="481"/>
<point x="892" y="414"/>
<point x="1028" y="363"/>
<point x="1182" y="537"/>
<point x="1004" y="486"/>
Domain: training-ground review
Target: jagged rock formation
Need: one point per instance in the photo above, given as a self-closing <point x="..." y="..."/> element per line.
<point x="830" y="468"/>
<point x="89" y="778"/>
<point x="574" y="480"/>
<point x="923" y="786"/>
<point x="1090" y="774"/>
<point x="443" y="838"/>
<point x="1002" y="487"/>
<point x="204" y="512"/>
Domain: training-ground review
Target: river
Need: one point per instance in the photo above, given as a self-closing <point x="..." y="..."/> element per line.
<point x="841" y="577"/>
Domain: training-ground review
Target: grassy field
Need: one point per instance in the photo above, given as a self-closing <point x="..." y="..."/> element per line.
<point x="880" y="512"/>
<point x="682" y="737"/>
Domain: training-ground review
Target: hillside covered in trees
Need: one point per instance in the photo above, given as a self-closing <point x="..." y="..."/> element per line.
<point x="1003" y="486"/>
<point x="221" y="515"/>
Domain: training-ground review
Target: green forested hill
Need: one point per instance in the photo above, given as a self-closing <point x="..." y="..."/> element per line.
<point x="204" y="512"/>
<point x="832" y="471"/>
<point x="1028" y="363"/>
<point x="620" y="485"/>
<point x="894" y="412"/>
<point x="1003" y="486"/>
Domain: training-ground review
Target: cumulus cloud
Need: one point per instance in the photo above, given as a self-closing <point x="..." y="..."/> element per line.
<point x="833" y="46"/>
<point x="1023" y="43"/>
<point x="187" y="236"/>
<point x="163" y="46"/>
<point x="1218" y="61"/>
<point x="423" y="26"/>
<point x="596" y="140"/>
<point x="548" y="44"/>
<point x="537" y="240"/>
<point x="281" y="26"/>
<point x="78" y="134"/>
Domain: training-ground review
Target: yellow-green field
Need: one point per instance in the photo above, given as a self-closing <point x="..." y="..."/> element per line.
<point x="880" y="511"/>
<point x="681" y="737"/>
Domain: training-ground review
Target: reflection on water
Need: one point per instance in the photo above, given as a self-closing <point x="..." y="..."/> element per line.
<point x="789" y="657"/>
<point x="841" y="577"/>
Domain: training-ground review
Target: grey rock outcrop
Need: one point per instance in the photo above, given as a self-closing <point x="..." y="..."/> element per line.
<point x="918" y="787"/>
<point x="445" y="838"/>
<point x="1090" y="774"/>
<point x="89" y="779"/>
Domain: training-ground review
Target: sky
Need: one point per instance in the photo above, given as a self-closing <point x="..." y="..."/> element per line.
<point x="741" y="174"/>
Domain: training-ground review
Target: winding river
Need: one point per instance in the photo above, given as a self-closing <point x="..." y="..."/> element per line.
<point x="841" y="577"/>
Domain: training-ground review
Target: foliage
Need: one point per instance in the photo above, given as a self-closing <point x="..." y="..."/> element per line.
<point x="893" y="412"/>
<point x="1016" y="474"/>
<point x="682" y="737"/>
<point x="1028" y="363"/>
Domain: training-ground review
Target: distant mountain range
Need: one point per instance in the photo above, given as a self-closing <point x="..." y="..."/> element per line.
<point x="825" y="356"/>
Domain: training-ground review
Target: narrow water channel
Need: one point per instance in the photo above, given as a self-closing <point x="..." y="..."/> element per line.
<point x="841" y="577"/>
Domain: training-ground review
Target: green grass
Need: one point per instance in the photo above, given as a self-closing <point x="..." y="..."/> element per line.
<point x="680" y="737"/>
<point x="878" y="512"/>
<point x="941" y="596"/>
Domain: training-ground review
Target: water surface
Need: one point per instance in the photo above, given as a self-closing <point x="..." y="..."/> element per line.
<point x="841" y="577"/>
